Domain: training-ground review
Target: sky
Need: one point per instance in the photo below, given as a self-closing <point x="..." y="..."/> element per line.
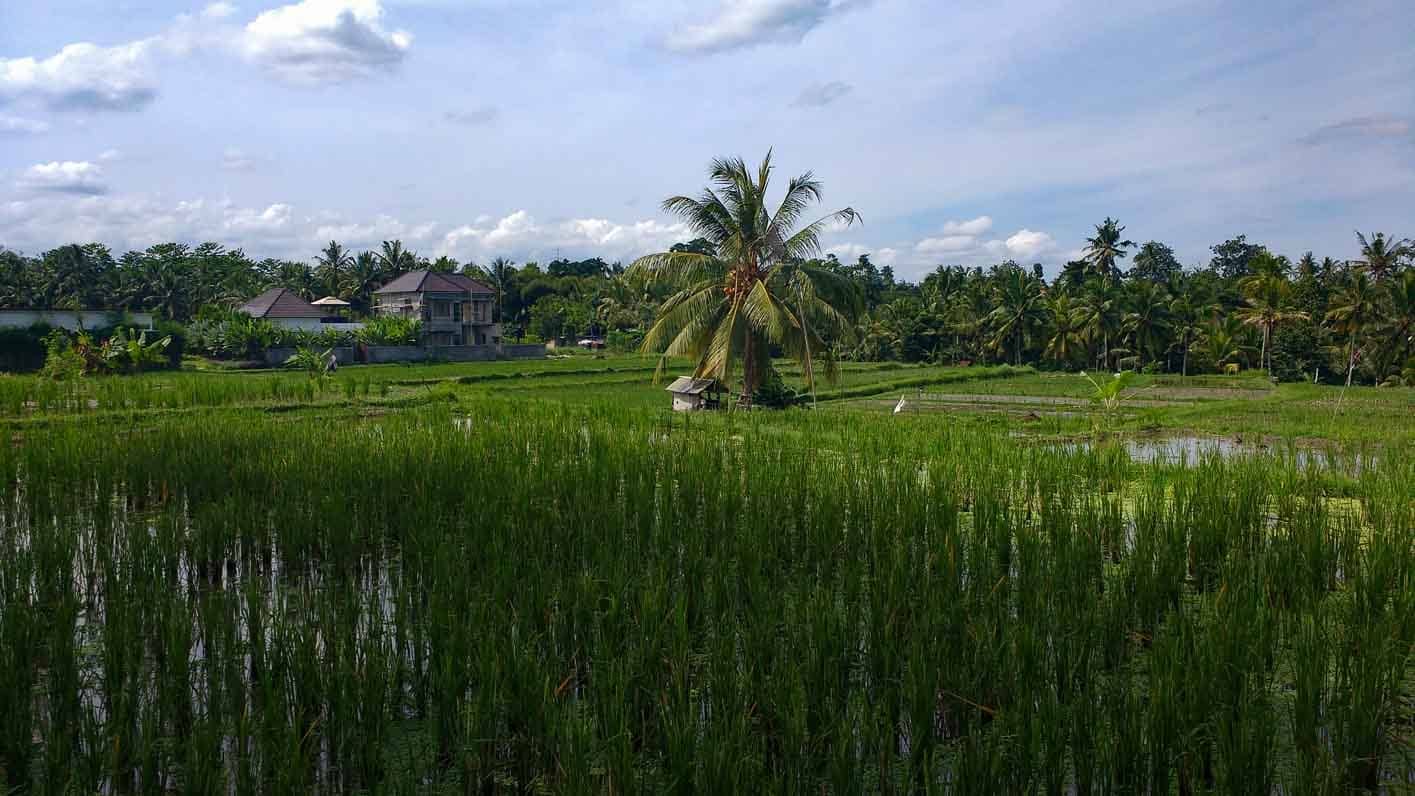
<point x="962" y="131"/>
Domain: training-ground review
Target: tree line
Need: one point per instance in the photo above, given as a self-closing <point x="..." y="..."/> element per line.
<point x="1247" y="306"/>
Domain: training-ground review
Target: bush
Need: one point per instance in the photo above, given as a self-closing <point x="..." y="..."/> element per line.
<point x="23" y="350"/>
<point x="773" y="393"/>
<point x="390" y="330"/>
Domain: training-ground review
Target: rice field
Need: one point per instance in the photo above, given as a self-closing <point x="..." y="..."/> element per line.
<point x="580" y="594"/>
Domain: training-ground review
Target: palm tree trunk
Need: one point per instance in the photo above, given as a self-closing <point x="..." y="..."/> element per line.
<point x="748" y="365"/>
<point x="1184" y="367"/>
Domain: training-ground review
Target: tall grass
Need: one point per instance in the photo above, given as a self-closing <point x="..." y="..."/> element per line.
<point x="591" y="599"/>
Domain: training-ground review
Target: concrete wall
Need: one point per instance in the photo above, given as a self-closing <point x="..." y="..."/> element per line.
<point x="303" y="324"/>
<point x="70" y="319"/>
<point x="412" y="353"/>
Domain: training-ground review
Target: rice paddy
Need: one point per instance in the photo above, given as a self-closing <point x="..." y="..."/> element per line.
<point x="450" y="579"/>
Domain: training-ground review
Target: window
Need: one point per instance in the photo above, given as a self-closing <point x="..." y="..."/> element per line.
<point x="441" y="309"/>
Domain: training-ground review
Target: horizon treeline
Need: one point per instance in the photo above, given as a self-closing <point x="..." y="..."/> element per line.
<point x="1308" y="318"/>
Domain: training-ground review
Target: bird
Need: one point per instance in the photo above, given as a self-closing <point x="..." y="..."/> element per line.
<point x="899" y="407"/>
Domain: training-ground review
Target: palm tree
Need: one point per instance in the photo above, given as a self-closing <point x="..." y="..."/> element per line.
<point x="1148" y="319"/>
<point x="1066" y="329"/>
<point x="1382" y="256"/>
<point x="365" y="275"/>
<point x="757" y="291"/>
<point x="498" y="277"/>
<point x="1269" y="299"/>
<point x="1018" y="310"/>
<point x="330" y="266"/>
<point x="1106" y="247"/>
<point x="1189" y="308"/>
<point x="1222" y="341"/>
<point x="1354" y="310"/>
<point x="1104" y="314"/>
<point x="395" y="259"/>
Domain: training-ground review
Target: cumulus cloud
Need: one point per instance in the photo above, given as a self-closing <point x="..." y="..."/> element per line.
<point x="68" y="176"/>
<point x="946" y="244"/>
<point x="324" y="41"/>
<point x="976" y="226"/>
<point x="520" y="233"/>
<point x="1025" y="244"/>
<point x="84" y="76"/>
<point x="280" y="229"/>
<point x="822" y="94"/>
<point x="1383" y="126"/>
<point x="17" y="125"/>
<point x="219" y="10"/>
<point x="743" y="23"/>
<point x="472" y="118"/>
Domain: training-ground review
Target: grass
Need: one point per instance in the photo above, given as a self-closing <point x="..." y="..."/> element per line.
<point x="461" y="579"/>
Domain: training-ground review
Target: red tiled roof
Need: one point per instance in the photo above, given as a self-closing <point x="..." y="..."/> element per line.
<point x="279" y="302"/>
<point x="433" y="282"/>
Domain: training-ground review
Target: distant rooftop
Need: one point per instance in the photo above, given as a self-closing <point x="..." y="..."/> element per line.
<point x="279" y="302"/>
<point x="434" y="282"/>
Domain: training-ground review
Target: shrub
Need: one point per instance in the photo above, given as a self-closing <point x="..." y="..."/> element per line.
<point x="390" y="330"/>
<point x="23" y="350"/>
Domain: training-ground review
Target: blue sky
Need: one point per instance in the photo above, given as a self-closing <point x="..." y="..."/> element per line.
<point x="963" y="132"/>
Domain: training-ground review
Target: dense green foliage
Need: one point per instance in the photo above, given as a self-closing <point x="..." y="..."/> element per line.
<point x="1247" y="306"/>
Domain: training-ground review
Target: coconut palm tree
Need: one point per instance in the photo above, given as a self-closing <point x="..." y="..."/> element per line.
<point x="1104" y="316"/>
<point x="1354" y="311"/>
<point x="1222" y="342"/>
<point x="365" y="275"/>
<point x="1066" y="328"/>
<point x="1189" y="309"/>
<point x="1269" y="300"/>
<point x="1106" y="247"/>
<point x="1148" y="319"/>
<point x="1382" y="256"/>
<point x="395" y="259"/>
<point x="1018" y="310"/>
<point x="331" y="266"/>
<point x="757" y="291"/>
<point x="498" y="278"/>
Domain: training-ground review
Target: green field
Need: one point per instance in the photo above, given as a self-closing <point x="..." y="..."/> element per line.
<point x="532" y="576"/>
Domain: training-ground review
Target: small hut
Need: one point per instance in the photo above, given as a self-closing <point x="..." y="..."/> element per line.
<point x="691" y="395"/>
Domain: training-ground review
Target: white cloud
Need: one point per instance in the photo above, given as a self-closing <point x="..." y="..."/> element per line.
<point x="821" y="94"/>
<point x="218" y="10"/>
<point x="110" y="156"/>
<point x="69" y="176"/>
<point x="521" y="234"/>
<point x="743" y="23"/>
<point x="1026" y="244"/>
<point x="16" y="125"/>
<point x="946" y="244"/>
<point x="975" y="226"/>
<point x="324" y="41"/>
<point x="274" y="218"/>
<point x="84" y="76"/>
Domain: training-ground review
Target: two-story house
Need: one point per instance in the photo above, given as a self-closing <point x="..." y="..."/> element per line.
<point x="454" y="309"/>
